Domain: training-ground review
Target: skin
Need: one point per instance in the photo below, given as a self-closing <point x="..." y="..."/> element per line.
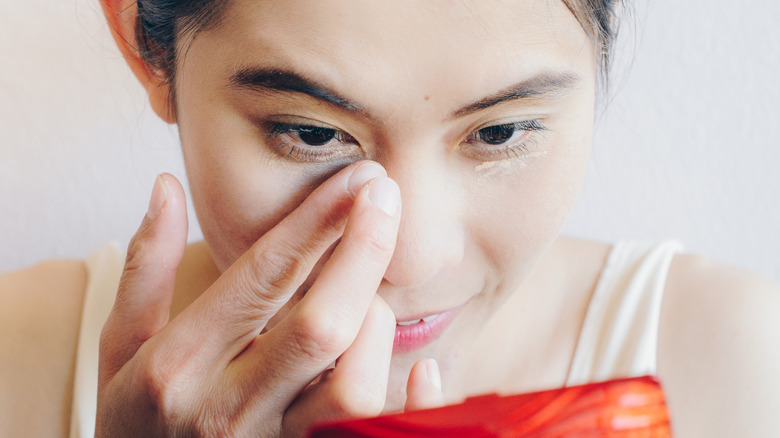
<point x="468" y="261"/>
<point x="419" y="133"/>
<point x="302" y="268"/>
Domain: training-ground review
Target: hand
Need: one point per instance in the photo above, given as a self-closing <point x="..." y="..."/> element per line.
<point x="209" y="371"/>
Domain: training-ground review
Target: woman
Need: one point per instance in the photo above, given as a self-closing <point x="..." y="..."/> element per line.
<point x="380" y="185"/>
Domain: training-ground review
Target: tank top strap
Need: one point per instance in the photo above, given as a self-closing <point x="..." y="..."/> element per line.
<point x="104" y="269"/>
<point x="619" y="336"/>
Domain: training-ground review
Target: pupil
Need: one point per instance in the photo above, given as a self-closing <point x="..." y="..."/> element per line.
<point x="497" y="134"/>
<point x="316" y="136"/>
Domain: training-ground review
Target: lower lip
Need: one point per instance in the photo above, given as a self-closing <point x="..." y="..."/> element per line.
<point x="412" y="337"/>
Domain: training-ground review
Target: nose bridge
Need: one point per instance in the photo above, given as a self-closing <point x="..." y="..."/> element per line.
<point x="430" y="238"/>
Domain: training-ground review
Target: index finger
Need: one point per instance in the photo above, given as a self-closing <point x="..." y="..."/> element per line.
<point x="240" y="303"/>
<point x="327" y="320"/>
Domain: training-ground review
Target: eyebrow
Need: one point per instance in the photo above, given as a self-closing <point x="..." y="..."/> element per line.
<point x="545" y="84"/>
<point x="274" y="80"/>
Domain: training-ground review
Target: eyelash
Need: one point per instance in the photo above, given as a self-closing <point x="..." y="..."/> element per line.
<point x="286" y="139"/>
<point x="505" y="149"/>
<point x="309" y="153"/>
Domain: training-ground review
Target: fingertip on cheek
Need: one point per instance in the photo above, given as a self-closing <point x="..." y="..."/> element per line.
<point x="363" y="173"/>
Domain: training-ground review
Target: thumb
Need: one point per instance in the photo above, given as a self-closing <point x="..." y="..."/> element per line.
<point x="423" y="389"/>
<point x="146" y="287"/>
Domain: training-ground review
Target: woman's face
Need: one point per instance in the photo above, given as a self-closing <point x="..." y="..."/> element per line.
<point x="481" y="111"/>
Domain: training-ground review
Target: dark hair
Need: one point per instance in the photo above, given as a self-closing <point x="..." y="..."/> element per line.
<point x="597" y="18"/>
<point x="163" y="23"/>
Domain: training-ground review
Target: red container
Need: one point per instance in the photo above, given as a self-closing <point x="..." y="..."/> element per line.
<point x="623" y="408"/>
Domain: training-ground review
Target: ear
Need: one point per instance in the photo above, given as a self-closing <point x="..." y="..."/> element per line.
<point x="121" y="16"/>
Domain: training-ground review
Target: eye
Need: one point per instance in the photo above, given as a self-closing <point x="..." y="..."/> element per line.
<point x="311" y="143"/>
<point x="505" y="140"/>
<point x="315" y="135"/>
<point x="497" y="134"/>
<point x="309" y="135"/>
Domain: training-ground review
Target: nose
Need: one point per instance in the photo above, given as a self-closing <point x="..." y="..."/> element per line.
<point x="431" y="234"/>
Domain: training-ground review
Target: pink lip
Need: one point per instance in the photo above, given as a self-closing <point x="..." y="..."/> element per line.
<point x="412" y="337"/>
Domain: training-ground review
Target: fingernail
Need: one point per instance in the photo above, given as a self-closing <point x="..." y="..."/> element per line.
<point x="432" y="367"/>
<point x="363" y="174"/>
<point x="384" y="193"/>
<point x="157" y="201"/>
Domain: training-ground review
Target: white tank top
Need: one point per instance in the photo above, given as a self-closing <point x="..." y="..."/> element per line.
<point x="104" y="268"/>
<point x="619" y="335"/>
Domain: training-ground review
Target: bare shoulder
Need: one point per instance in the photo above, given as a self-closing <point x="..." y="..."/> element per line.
<point x="719" y="350"/>
<point x="40" y="312"/>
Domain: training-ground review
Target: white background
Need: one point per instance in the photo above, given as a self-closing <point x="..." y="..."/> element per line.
<point x="688" y="147"/>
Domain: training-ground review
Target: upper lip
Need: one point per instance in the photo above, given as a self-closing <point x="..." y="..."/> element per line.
<point x="425" y="315"/>
<point x="417" y="318"/>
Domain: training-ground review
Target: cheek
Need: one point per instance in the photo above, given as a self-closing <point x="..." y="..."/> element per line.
<point x="521" y="210"/>
<point x="238" y="192"/>
<point x="233" y="216"/>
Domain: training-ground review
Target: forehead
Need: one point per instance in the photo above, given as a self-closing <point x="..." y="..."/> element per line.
<point x="381" y="48"/>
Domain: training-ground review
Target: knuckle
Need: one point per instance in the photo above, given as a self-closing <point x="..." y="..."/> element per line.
<point x="162" y="384"/>
<point x="319" y="337"/>
<point x="107" y="349"/>
<point x="331" y="219"/>
<point x="212" y="426"/>
<point x="137" y="251"/>
<point x="273" y="271"/>
<point x="377" y="239"/>
<point x="112" y="339"/>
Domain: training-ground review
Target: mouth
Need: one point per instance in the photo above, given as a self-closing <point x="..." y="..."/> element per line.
<point x="416" y="333"/>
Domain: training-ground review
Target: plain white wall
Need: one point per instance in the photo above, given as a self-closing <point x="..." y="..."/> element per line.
<point x="80" y="146"/>
<point x="688" y="147"/>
